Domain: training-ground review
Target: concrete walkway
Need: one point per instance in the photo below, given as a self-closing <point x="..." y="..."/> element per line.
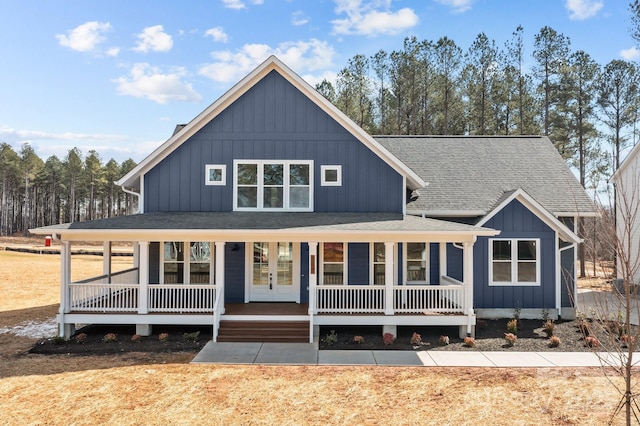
<point x="308" y="354"/>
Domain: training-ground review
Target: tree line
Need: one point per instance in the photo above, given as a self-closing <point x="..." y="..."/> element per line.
<point x="36" y="193"/>
<point x="589" y="111"/>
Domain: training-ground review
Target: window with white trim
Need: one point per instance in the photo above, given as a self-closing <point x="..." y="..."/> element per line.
<point x="333" y="263"/>
<point x="215" y="174"/>
<point x="417" y="255"/>
<point x="273" y="185"/>
<point x="514" y="261"/>
<point x="331" y="175"/>
<point x="378" y="252"/>
<point x="194" y="267"/>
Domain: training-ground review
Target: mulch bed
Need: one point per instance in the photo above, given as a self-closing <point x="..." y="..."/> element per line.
<point x="95" y="344"/>
<point x="489" y="337"/>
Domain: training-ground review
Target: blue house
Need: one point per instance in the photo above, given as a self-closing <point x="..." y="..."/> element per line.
<point x="271" y="214"/>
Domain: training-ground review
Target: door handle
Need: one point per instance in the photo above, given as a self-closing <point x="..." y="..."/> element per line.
<point x="270" y="281"/>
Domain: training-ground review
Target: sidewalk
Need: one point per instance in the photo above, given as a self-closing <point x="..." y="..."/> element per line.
<point x="308" y="354"/>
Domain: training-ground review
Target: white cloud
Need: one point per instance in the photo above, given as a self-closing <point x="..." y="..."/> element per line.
<point x="154" y="39"/>
<point x="583" y="9"/>
<point x="114" y="51"/>
<point x="239" y="4"/>
<point x="372" y="18"/>
<point x="20" y="136"/>
<point x="150" y="82"/>
<point x="85" y="37"/>
<point x="457" y="6"/>
<point x="301" y="56"/>
<point x="298" y="18"/>
<point x="217" y="34"/>
<point x="631" y="54"/>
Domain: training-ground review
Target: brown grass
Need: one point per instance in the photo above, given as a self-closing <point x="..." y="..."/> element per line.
<point x="164" y="389"/>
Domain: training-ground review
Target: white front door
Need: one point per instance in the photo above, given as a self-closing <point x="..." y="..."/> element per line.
<point x="272" y="272"/>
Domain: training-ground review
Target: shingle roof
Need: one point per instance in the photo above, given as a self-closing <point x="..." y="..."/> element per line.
<point x="266" y="221"/>
<point x="473" y="173"/>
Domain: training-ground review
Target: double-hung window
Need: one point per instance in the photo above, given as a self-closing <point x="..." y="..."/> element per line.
<point x="187" y="262"/>
<point x="514" y="262"/>
<point x="273" y="185"/>
<point x="333" y="263"/>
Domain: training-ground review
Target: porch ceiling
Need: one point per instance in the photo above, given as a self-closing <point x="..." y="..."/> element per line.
<point x="238" y="226"/>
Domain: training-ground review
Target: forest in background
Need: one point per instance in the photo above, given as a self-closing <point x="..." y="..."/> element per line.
<point x="590" y="111"/>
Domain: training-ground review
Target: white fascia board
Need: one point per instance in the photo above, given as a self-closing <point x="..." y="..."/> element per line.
<point x="272" y="63"/>
<point x="535" y="207"/>
<point x="447" y="213"/>
<point x="625" y="163"/>
<point x="293" y="235"/>
<point x="576" y="214"/>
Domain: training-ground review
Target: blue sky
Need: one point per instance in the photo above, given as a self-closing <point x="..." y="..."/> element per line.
<point x="117" y="76"/>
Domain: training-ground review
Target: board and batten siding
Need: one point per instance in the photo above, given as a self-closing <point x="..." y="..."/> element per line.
<point x="516" y="221"/>
<point x="273" y="121"/>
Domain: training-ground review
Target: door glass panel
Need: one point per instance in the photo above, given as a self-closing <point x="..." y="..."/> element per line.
<point x="260" y="264"/>
<point x="285" y="264"/>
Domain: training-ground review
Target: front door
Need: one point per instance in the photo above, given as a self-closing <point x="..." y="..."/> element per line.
<point x="272" y="273"/>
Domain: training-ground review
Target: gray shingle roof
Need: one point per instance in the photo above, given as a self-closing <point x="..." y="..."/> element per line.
<point x="472" y="173"/>
<point x="267" y="221"/>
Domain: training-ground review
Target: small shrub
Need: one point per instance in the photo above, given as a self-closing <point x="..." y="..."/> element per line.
<point x="512" y="326"/>
<point x="591" y="341"/>
<point x="163" y="337"/>
<point x="81" y="338"/>
<point x="615" y="328"/>
<point x="416" y="339"/>
<point x="110" y="338"/>
<point x="469" y="342"/>
<point x="626" y="340"/>
<point x="57" y="340"/>
<point x="136" y="338"/>
<point x="444" y="340"/>
<point x="358" y="339"/>
<point x="388" y="339"/>
<point x="192" y="337"/>
<point x="554" y="341"/>
<point x="585" y="327"/>
<point x="549" y="327"/>
<point x="510" y="338"/>
<point x="331" y="338"/>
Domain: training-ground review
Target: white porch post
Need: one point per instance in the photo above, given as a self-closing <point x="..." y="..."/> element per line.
<point x="106" y="260"/>
<point x="65" y="330"/>
<point x="313" y="282"/>
<point x="219" y="271"/>
<point x="389" y="267"/>
<point x="468" y="284"/>
<point x="443" y="259"/>
<point x="143" y="274"/>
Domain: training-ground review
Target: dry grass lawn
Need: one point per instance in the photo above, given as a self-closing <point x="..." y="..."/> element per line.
<point x="155" y="389"/>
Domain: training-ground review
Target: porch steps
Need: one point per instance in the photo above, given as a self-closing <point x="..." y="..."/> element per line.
<point x="263" y="331"/>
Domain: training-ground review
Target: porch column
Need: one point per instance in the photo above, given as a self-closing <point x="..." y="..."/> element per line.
<point x="443" y="259"/>
<point x="313" y="276"/>
<point x="106" y="260"/>
<point x="65" y="330"/>
<point x="143" y="281"/>
<point x="389" y="267"/>
<point x="219" y="271"/>
<point x="468" y="283"/>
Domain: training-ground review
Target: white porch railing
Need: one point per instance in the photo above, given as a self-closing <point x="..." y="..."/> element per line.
<point x="97" y="297"/>
<point x="182" y="298"/>
<point x="349" y="299"/>
<point x="428" y="299"/>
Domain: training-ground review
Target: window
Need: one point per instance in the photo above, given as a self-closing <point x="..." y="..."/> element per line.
<point x="514" y="262"/>
<point x="331" y="175"/>
<point x="417" y="255"/>
<point x="194" y="268"/>
<point x="273" y="185"/>
<point x="377" y="263"/>
<point x="333" y="263"/>
<point x="215" y="174"/>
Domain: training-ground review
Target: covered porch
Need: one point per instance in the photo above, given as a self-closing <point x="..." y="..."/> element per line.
<point x="390" y="298"/>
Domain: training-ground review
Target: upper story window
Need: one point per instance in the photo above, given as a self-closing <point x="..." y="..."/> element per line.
<point x="215" y="174"/>
<point x="273" y="185"/>
<point x="331" y="175"/>
<point x="514" y="262"/>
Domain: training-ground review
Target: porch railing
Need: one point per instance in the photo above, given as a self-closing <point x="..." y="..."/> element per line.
<point x="182" y="298"/>
<point x="428" y="299"/>
<point x="98" y="297"/>
<point x="350" y="299"/>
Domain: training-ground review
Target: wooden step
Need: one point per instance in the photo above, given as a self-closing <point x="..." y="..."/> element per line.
<point x="263" y="331"/>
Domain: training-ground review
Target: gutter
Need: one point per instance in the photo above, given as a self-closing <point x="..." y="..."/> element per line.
<point x="136" y="194"/>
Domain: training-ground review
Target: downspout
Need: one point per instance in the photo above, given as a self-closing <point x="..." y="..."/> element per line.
<point x="128" y="191"/>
